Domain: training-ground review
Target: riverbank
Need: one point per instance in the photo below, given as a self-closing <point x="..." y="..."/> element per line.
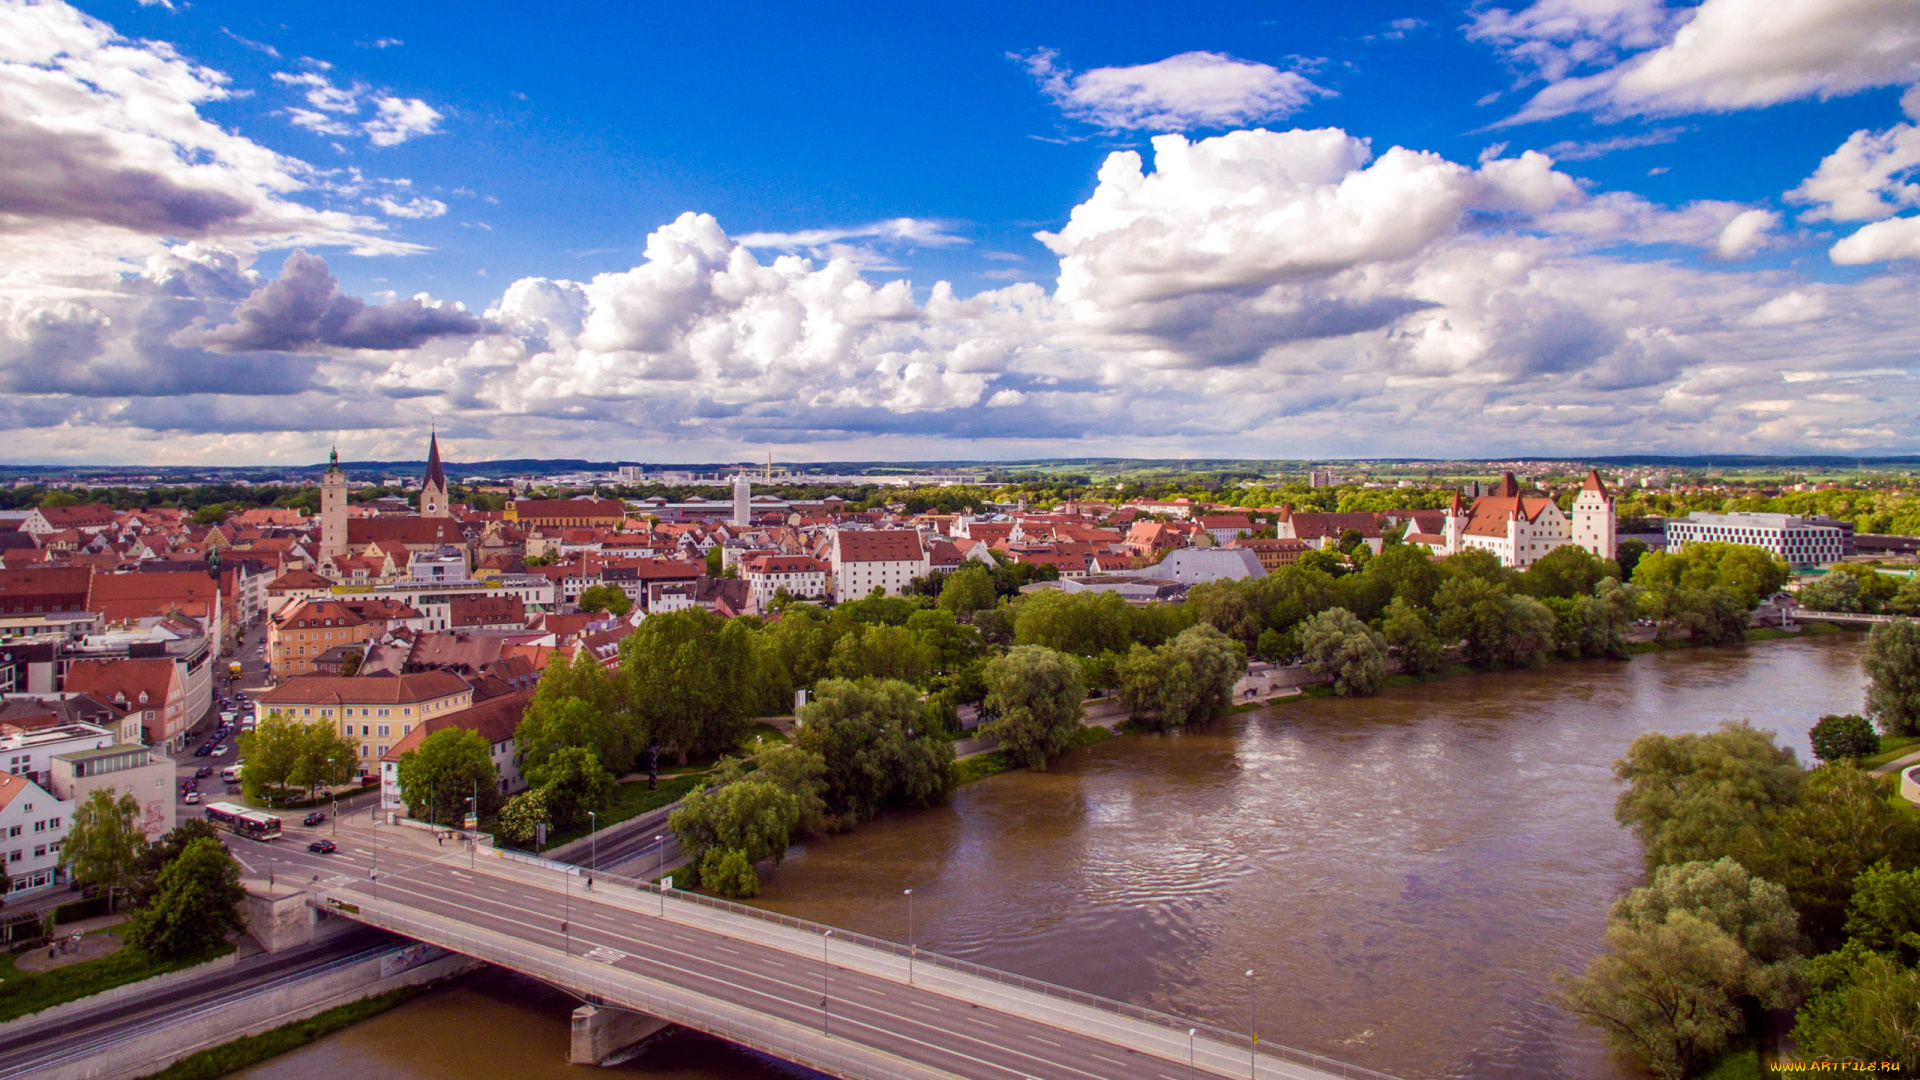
<point x="218" y="1061"/>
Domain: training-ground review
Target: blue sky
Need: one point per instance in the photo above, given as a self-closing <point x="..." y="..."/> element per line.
<point x="1602" y="235"/>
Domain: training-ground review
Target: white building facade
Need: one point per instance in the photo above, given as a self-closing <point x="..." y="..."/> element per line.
<point x="864" y="562"/>
<point x="33" y="826"/>
<point x="1804" y="543"/>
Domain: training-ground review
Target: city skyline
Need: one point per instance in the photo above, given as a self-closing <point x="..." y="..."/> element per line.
<point x="1575" y="228"/>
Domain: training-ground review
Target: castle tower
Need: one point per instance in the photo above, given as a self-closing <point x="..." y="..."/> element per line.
<point x="433" y="490"/>
<point x="742" y="499"/>
<point x="1593" y="517"/>
<point x="333" y="509"/>
<point x="1456" y="525"/>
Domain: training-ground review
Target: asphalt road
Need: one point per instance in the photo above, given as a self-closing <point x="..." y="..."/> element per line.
<point x="908" y="1021"/>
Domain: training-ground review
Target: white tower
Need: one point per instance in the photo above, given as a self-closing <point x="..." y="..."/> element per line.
<point x="1456" y="525"/>
<point x="1593" y="517"/>
<point x="333" y="509"/>
<point x="742" y="499"/>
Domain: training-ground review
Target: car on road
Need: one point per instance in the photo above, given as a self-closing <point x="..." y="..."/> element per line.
<point x="313" y="819"/>
<point x="193" y="798"/>
<point x="203" y="772"/>
<point x="321" y="847"/>
<point x="202" y="751"/>
<point x="233" y="789"/>
<point x="220" y="751"/>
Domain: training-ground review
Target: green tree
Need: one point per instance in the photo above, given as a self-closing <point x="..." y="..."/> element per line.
<point x="1873" y="588"/>
<point x="1528" y="633"/>
<point x="1323" y="561"/>
<point x="1567" y="571"/>
<point x="803" y="775"/>
<point x="450" y="766"/>
<point x="1034" y="696"/>
<point x="608" y="598"/>
<point x="1864" y="1006"/>
<point x="1832" y="591"/>
<point x="1473" y="609"/>
<point x="196" y="904"/>
<point x="283" y="753"/>
<point x="1754" y="912"/>
<point x="690" y="679"/>
<point x="522" y="815"/>
<point x="751" y="817"/>
<point x="715" y="557"/>
<point x="1084" y="624"/>
<point x="1750" y="574"/>
<point x="882" y="652"/>
<point x="968" y="590"/>
<point x="1696" y="797"/>
<point x="573" y="783"/>
<point x="1184" y="681"/>
<point x="577" y="704"/>
<point x="1892" y="665"/>
<point x="1838" y="828"/>
<point x="878" y="744"/>
<point x="155" y="858"/>
<point x="1627" y="553"/>
<point x="103" y="847"/>
<point x="1835" y="738"/>
<point x="952" y="644"/>
<point x="729" y="873"/>
<point x="1409" y="632"/>
<point x="1340" y="647"/>
<point x="1884" y="914"/>
<point x="1663" y="995"/>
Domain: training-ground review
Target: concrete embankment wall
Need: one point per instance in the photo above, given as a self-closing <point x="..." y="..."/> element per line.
<point x="151" y="1049"/>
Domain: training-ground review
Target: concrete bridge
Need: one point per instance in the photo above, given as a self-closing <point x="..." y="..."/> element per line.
<point x="840" y="1003"/>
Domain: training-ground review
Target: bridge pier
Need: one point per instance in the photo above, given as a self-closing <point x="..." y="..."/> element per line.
<point x="601" y="1032"/>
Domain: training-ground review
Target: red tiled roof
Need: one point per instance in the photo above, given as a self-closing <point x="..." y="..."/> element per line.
<point x="880" y="545"/>
<point x="341" y="690"/>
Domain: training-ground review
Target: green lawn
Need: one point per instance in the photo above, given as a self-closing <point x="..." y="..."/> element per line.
<point x="25" y="993"/>
<point x="1891" y="747"/>
<point x="632" y="800"/>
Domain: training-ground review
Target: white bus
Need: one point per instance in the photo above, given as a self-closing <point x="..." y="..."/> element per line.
<point x="231" y="774"/>
<point x="241" y="821"/>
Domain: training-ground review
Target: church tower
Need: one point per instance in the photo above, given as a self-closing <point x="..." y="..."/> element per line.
<point x="433" y="491"/>
<point x="1593" y="517"/>
<point x="333" y="509"/>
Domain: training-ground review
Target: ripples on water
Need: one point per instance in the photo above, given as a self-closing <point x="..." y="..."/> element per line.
<point x="1406" y="874"/>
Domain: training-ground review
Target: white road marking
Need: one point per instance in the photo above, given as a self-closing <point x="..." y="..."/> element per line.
<point x="602" y="954"/>
<point x="1037" y="1038"/>
<point x="924" y="1005"/>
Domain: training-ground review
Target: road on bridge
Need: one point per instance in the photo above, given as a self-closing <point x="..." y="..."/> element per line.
<point x="617" y="926"/>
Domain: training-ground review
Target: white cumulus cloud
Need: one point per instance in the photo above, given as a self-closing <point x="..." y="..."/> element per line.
<point x="1723" y="55"/>
<point x="1191" y="90"/>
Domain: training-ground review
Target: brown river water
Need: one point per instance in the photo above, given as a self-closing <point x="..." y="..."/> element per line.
<point x="1406" y="875"/>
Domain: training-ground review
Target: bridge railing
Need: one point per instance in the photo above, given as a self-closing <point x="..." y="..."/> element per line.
<point x="1180" y="1025"/>
<point x="736" y="1026"/>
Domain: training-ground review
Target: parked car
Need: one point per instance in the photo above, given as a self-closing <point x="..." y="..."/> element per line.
<point x="203" y="772"/>
<point x="220" y="751"/>
<point x="313" y="819"/>
<point x="233" y="789"/>
<point x="193" y="798"/>
<point x="321" y="847"/>
<point x="202" y="751"/>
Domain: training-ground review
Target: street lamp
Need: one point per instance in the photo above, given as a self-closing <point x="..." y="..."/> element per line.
<point x="593" y="861"/>
<point x="566" y="917"/>
<point x="1191" y="1032"/>
<point x="659" y="867"/>
<point x="1253" y="1035"/>
<point x="912" y="948"/>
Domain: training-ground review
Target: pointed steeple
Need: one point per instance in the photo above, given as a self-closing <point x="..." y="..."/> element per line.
<point x="436" y="475"/>
<point x="1594" y="483"/>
